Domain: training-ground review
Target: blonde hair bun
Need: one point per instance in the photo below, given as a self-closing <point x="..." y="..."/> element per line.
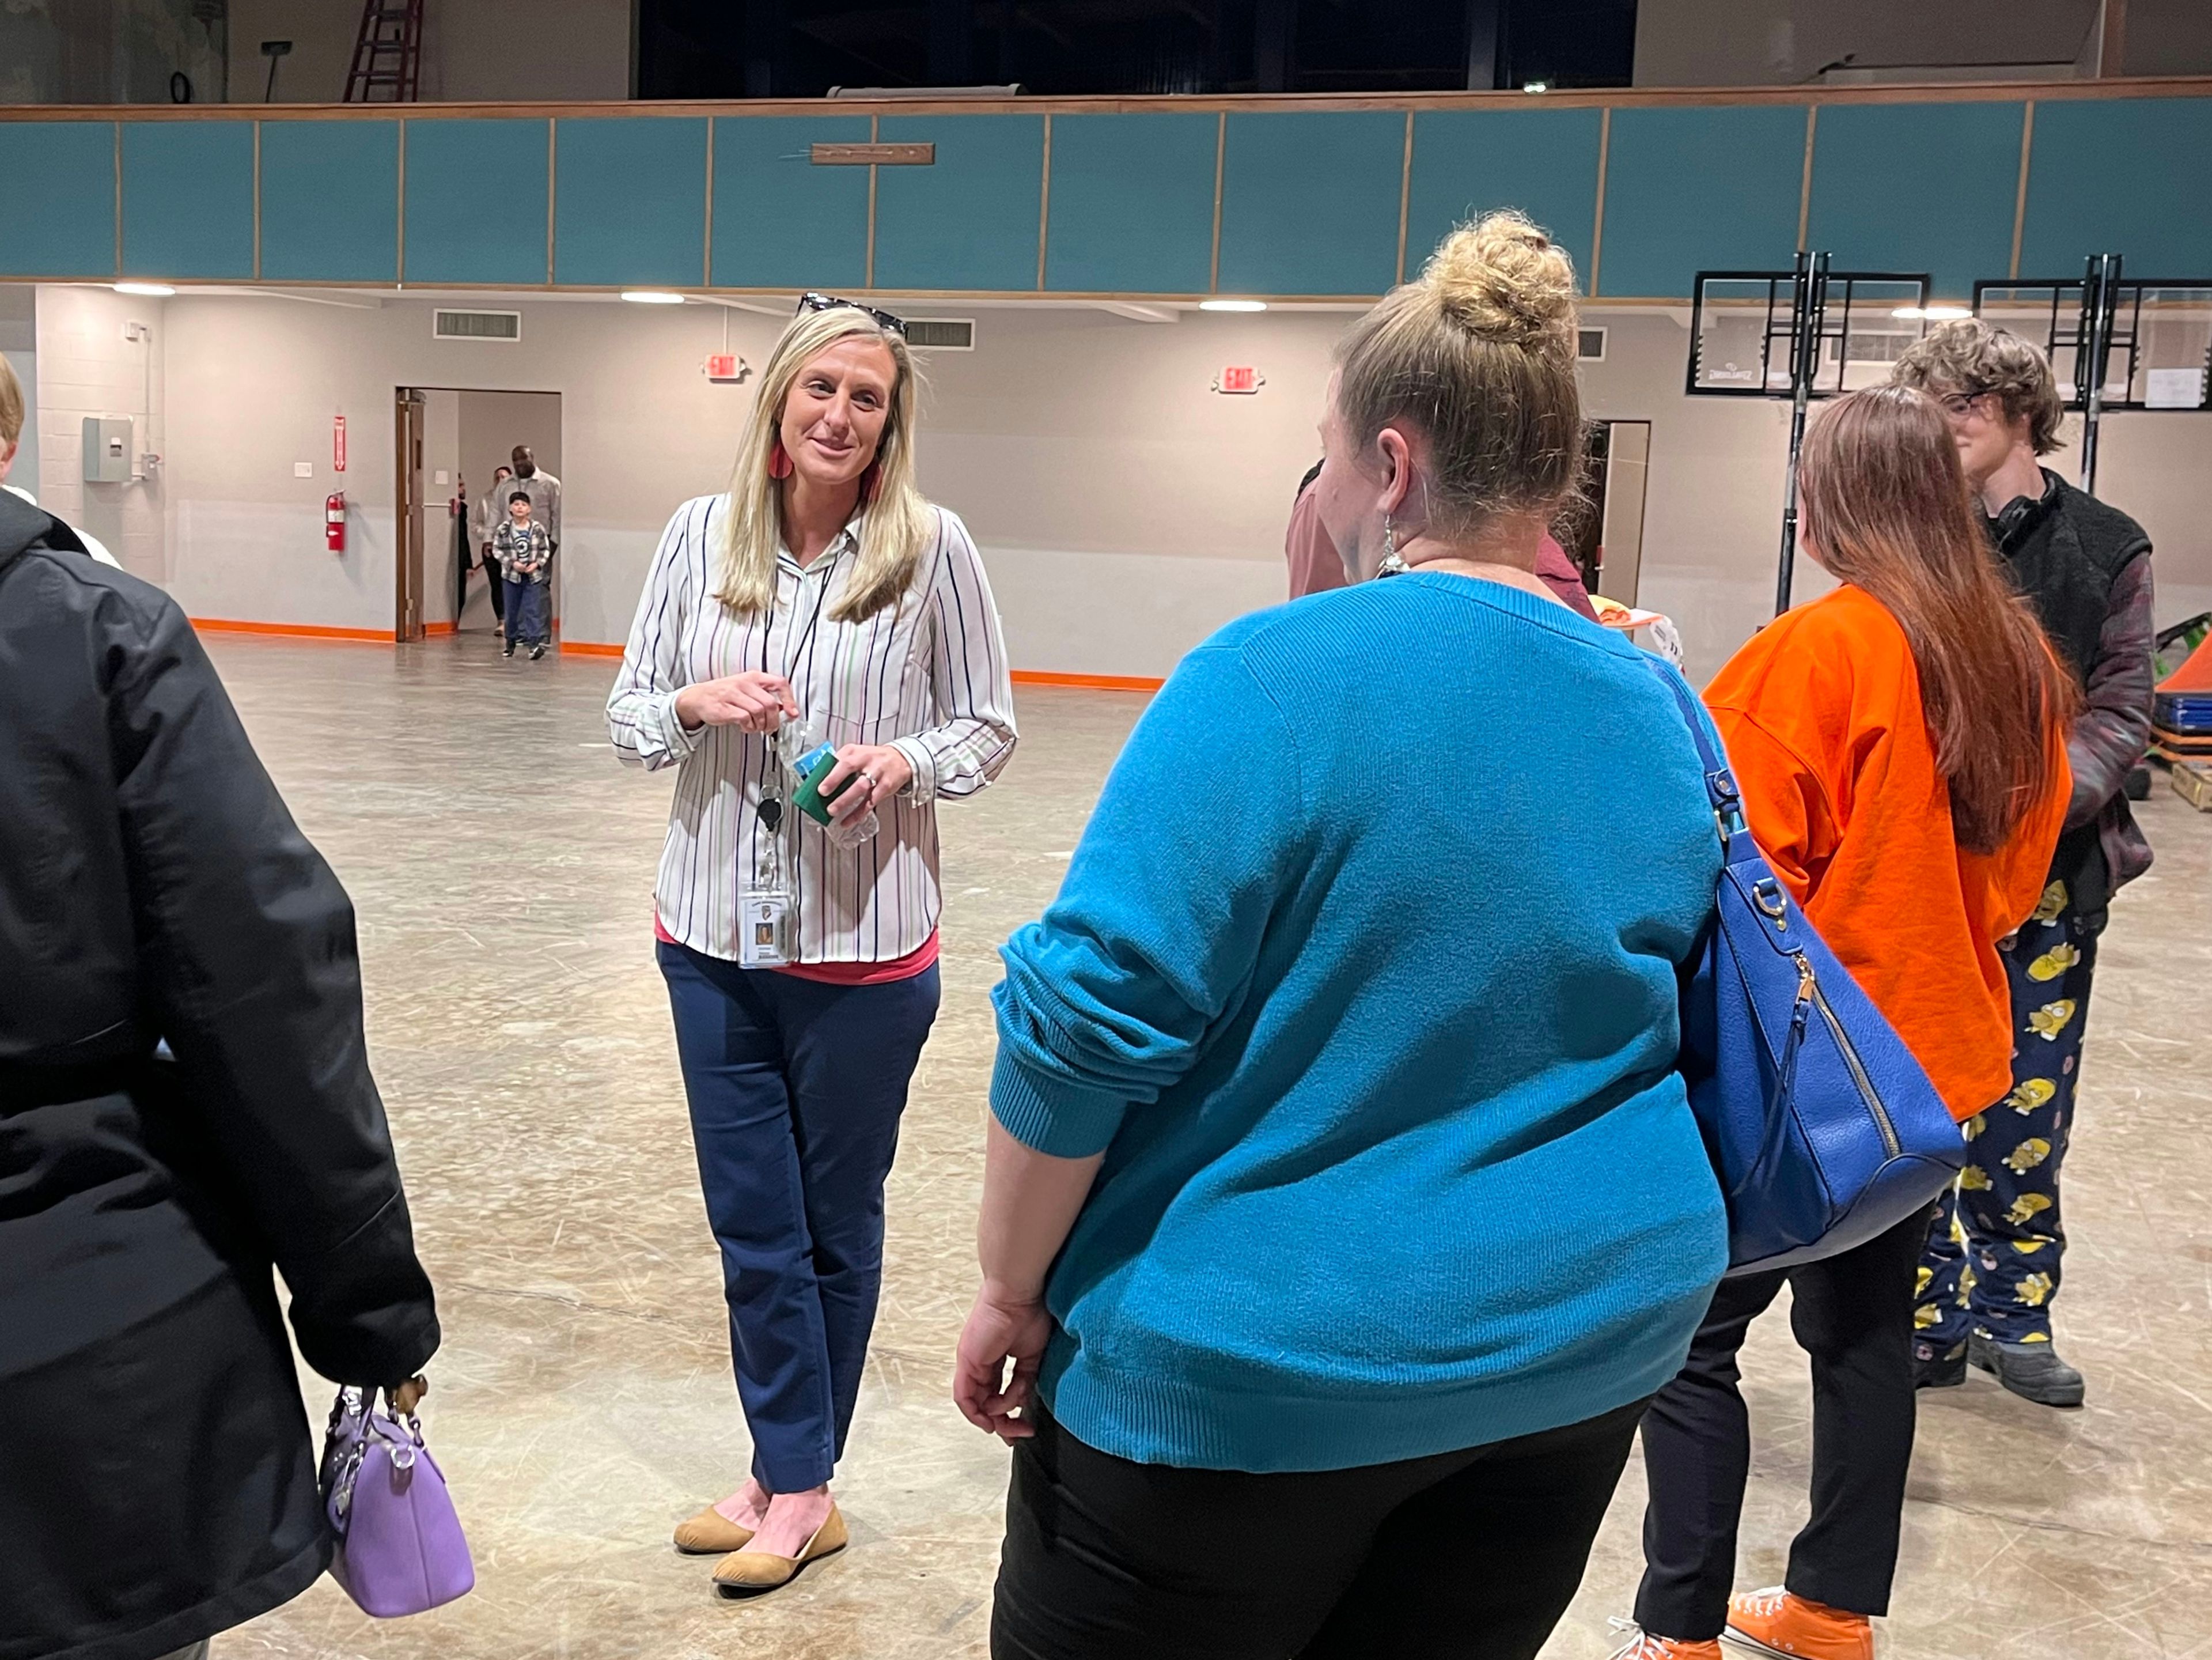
<point x="1505" y="280"/>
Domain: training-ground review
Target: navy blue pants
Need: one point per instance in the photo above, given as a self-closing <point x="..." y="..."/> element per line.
<point x="796" y="1088"/>
<point x="528" y="621"/>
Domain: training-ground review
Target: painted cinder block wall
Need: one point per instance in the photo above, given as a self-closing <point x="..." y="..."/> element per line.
<point x="1125" y="509"/>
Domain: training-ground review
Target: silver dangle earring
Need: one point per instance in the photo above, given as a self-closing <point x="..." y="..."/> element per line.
<point x="1392" y="565"/>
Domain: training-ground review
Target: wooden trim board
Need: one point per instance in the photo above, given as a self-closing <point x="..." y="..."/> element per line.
<point x="1999" y="91"/>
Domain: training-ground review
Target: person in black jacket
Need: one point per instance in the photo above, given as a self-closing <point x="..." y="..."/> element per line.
<point x="184" y="1101"/>
<point x="1992" y="1269"/>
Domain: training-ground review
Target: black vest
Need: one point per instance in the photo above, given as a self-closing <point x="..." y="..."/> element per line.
<point x="2063" y="551"/>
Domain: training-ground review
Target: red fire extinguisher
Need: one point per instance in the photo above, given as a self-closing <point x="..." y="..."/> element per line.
<point x="334" y="521"/>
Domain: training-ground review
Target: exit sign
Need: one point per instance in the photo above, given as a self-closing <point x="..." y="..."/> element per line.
<point x="725" y="366"/>
<point x="1239" y="378"/>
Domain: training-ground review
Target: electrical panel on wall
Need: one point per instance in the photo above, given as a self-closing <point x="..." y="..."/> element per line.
<point x="107" y="449"/>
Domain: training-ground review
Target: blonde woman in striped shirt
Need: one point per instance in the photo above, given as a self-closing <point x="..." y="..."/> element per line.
<point x="802" y="965"/>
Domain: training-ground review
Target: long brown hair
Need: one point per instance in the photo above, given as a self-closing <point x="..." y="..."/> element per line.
<point x="1886" y="510"/>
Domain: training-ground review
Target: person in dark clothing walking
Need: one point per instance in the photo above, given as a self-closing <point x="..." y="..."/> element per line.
<point x="1991" y="1268"/>
<point x="184" y="1103"/>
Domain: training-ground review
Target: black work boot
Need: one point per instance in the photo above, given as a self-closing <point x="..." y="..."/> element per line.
<point x="1934" y="1367"/>
<point x="2034" y="1371"/>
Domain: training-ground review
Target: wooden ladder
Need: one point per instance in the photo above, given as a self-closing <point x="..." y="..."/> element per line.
<point x="387" y="55"/>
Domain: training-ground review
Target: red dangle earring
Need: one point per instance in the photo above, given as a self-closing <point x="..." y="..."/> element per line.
<point x="779" y="461"/>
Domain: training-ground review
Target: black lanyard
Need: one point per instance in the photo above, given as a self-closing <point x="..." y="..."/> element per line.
<point x="770" y="811"/>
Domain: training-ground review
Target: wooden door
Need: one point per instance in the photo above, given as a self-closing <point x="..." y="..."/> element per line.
<point x="1628" y="456"/>
<point x="408" y="409"/>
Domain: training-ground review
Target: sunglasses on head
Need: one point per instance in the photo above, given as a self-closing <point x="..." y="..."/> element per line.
<point x="811" y="301"/>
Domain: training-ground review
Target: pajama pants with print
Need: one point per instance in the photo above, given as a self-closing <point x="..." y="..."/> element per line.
<point x="1994" y="1244"/>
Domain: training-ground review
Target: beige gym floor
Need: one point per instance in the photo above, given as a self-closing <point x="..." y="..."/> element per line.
<point x="501" y="864"/>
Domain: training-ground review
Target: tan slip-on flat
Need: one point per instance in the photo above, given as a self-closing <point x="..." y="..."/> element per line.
<point x="752" y="1572"/>
<point x="710" y="1532"/>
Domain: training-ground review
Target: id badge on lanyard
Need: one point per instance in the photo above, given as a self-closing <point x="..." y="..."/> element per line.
<point x="764" y="919"/>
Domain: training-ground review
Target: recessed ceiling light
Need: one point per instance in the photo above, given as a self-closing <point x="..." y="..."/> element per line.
<point x="1932" y="314"/>
<point x="152" y="290"/>
<point x="651" y="297"/>
<point x="1232" y="304"/>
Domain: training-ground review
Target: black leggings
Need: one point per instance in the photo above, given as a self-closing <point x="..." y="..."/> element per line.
<point x="1472" y="1555"/>
<point x="1853" y="1315"/>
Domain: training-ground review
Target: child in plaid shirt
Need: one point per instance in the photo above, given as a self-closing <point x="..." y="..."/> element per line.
<point x="525" y="555"/>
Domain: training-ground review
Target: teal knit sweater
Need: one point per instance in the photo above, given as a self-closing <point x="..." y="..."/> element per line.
<point x="1363" y="979"/>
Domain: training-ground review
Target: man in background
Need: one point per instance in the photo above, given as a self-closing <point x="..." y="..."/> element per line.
<point x="544" y="490"/>
<point x="1992" y="1266"/>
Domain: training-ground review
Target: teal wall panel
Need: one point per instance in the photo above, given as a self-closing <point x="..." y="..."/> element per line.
<point x="330" y="201"/>
<point x="1309" y="203"/>
<point x="781" y="222"/>
<point x="1917" y="187"/>
<point x="629" y="201"/>
<point x="2120" y="175"/>
<point x="971" y="221"/>
<point x="1700" y="189"/>
<point x="59" y="216"/>
<point x="475" y="201"/>
<point x="187" y="199"/>
<point x="1469" y="162"/>
<point x="1132" y="204"/>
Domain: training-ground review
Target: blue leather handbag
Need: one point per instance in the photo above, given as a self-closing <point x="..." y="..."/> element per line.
<point x="1822" y="1127"/>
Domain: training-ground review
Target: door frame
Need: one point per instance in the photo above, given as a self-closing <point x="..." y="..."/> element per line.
<point x="1626" y="516"/>
<point x="411" y="506"/>
<point x="409" y="406"/>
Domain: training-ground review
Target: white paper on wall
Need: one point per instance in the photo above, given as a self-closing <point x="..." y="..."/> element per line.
<point x="2174" y="389"/>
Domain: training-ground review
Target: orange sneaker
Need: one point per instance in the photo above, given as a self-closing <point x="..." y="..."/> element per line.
<point x="1643" y="1645"/>
<point x="1773" y="1622"/>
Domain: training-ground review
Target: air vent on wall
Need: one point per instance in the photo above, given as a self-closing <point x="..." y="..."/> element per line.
<point x="477" y="325"/>
<point x="941" y="333"/>
<point x="1589" y="345"/>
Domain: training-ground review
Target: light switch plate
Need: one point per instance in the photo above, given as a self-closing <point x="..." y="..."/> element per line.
<point x="303" y="469"/>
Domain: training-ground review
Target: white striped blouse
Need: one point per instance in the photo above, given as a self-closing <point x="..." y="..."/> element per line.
<point x="928" y="677"/>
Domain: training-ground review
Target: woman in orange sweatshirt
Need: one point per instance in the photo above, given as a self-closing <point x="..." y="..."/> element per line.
<point x="1900" y="745"/>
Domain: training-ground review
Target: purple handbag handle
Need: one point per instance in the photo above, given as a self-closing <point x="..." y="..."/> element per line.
<point x="400" y="1548"/>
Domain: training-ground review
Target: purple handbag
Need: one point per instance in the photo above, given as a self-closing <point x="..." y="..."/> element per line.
<point x="399" y="1545"/>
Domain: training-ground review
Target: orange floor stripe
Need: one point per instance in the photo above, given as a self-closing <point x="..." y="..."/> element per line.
<point x="293" y="630"/>
<point x="595" y="648"/>
<point x="1088" y="682"/>
<point x="310" y="630"/>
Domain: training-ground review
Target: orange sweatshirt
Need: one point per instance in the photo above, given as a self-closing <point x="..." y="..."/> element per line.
<point x="1821" y="715"/>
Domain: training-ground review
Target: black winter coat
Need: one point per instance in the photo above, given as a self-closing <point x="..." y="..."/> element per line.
<point x="157" y="1482"/>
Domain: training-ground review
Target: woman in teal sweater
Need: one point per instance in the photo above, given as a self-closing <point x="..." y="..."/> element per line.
<point x="1343" y="1205"/>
